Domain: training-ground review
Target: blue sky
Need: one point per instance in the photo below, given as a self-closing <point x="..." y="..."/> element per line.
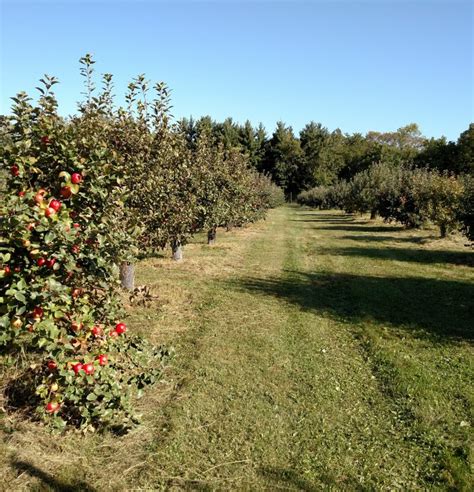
<point x="359" y="66"/>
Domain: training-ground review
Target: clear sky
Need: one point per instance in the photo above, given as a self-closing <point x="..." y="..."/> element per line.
<point x="356" y="65"/>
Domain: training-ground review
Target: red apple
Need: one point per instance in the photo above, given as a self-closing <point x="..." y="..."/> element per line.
<point x="121" y="328"/>
<point x="52" y="366"/>
<point x="55" y="204"/>
<point x="113" y="334"/>
<point x="15" y="170"/>
<point x="76" y="178"/>
<point x="96" y="331"/>
<point x="45" y="140"/>
<point x="17" y="269"/>
<point x="40" y="262"/>
<point x="77" y="367"/>
<point x="76" y="225"/>
<point x="38" y="312"/>
<point x="39" y="197"/>
<point x="50" y="263"/>
<point x="89" y="368"/>
<point x="52" y="407"/>
<point x="21" y="194"/>
<point x="103" y="359"/>
<point x="49" y="212"/>
<point x="75" y="249"/>
<point x="7" y="270"/>
<point x="66" y="192"/>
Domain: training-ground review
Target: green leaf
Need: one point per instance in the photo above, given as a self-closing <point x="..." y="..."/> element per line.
<point x="20" y="297"/>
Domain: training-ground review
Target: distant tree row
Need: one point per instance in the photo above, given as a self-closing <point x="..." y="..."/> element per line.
<point x="411" y="196"/>
<point x="319" y="157"/>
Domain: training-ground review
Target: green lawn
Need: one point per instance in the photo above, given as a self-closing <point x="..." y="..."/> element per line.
<point x="314" y="350"/>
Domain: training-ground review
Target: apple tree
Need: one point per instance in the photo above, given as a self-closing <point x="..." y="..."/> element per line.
<point x="60" y="312"/>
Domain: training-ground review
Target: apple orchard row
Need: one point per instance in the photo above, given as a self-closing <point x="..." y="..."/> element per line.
<point x="84" y="195"/>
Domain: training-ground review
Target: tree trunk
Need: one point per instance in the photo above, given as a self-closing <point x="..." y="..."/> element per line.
<point x="211" y="236"/>
<point x="373" y="214"/>
<point x="229" y="227"/>
<point x="443" y="230"/>
<point x="177" y="251"/>
<point x="127" y="275"/>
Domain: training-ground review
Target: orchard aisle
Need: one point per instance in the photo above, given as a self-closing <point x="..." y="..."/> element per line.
<point x="313" y="350"/>
<point x="276" y="393"/>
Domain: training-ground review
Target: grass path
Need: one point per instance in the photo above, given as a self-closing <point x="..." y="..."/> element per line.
<point x="282" y="393"/>
<point x="313" y="350"/>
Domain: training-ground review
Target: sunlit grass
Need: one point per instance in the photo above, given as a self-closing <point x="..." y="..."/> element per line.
<point x="312" y="350"/>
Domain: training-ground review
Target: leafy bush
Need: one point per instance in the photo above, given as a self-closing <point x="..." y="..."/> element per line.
<point x="269" y="194"/>
<point x="364" y="193"/>
<point x="318" y="197"/>
<point x="400" y="195"/>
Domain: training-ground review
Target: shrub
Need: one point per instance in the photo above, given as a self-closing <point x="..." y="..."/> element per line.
<point x="318" y="197"/>
<point x="269" y="194"/>
<point x="174" y="209"/>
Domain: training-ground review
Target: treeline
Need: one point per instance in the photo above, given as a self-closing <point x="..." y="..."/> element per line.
<point x="319" y="157"/>
<point x="401" y="176"/>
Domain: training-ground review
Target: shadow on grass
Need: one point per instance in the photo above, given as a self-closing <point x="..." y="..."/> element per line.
<point x="326" y="214"/>
<point x="49" y="480"/>
<point x="441" y="310"/>
<point x="325" y="218"/>
<point x="289" y="480"/>
<point x="286" y="479"/>
<point x="328" y="221"/>
<point x="428" y="256"/>
<point x="385" y="238"/>
<point x="153" y="253"/>
<point x="360" y="227"/>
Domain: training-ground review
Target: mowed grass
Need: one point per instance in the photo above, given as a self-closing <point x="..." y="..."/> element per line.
<point x="314" y="350"/>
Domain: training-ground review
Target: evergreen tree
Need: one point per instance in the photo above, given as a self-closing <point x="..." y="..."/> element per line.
<point x="466" y="150"/>
<point x="283" y="158"/>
